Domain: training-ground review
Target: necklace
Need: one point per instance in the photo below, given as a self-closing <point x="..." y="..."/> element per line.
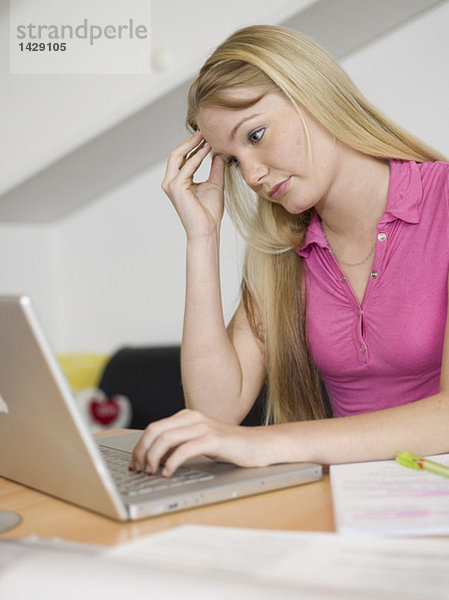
<point x="362" y="262"/>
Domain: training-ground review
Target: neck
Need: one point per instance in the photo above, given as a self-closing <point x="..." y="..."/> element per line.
<point x="358" y="196"/>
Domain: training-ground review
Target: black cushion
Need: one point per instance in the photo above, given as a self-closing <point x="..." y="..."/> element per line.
<point x="151" y="378"/>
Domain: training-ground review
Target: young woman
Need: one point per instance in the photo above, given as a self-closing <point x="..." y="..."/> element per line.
<point x="346" y="219"/>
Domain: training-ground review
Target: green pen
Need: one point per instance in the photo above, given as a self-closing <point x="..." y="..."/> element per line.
<point x="408" y="459"/>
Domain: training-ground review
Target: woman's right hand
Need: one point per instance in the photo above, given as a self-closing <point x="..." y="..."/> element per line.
<point x="199" y="205"/>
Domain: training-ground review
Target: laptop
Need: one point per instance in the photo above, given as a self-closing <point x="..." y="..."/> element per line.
<point x="45" y="443"/>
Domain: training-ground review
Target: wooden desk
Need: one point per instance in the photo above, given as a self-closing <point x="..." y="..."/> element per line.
<point x="304" y="508"/>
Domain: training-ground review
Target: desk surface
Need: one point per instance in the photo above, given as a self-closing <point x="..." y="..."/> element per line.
<point x="303" y="508"/>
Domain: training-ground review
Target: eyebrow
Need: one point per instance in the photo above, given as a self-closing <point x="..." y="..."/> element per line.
<point x="234" y="130"/>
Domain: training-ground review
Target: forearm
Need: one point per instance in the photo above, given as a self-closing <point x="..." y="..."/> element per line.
<point x="211" y="372"/>
<point x="419" y="426"/>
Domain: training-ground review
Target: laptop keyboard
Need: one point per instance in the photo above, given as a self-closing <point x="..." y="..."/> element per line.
<point x="134" y="484"/>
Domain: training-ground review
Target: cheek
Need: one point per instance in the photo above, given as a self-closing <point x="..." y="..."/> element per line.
<point x="292" y="149"/>
<point x="280" y="156"/>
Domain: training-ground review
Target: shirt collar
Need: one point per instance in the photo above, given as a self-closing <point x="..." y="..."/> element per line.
<point x="404" y="193"/>
<point x="314" y="235"/>
<point x="403" y="203"/>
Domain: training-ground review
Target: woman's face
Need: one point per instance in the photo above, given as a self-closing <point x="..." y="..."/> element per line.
<point x="268" y="143"/>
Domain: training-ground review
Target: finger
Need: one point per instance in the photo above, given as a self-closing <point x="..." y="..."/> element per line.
<point x="192" y="152"/>
<point x="191" y="165"/>
<point x="188" y="145"/>
<point x="183" y="176"/>
<point x="180" y="419"/>
<point x="167" y="442"/>
<point x="203" y="445"/>
<point x="217" y="171"/>
<point x="137" y="462"/>
<point x="178" y="155"/>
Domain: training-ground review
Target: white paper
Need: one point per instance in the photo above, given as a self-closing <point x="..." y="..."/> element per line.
<point x="55" y="570"/>
<point x="200" y="563"/>
<point x="58" y="576"/>
<point x="384" y="498"/>
<point x="316" y="565"/>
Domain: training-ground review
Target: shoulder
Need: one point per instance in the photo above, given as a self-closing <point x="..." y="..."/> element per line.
<point x="434" y="176"/>
<point x="434" y="181"/>
<point x="416" y="188"/>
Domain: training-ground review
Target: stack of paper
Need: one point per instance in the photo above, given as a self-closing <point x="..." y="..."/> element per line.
<point x="385" y="498"/>
<point x="200" y="563"/>
<point x="312" y="565"/>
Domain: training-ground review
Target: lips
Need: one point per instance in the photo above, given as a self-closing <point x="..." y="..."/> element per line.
<point x="279" y="190"/>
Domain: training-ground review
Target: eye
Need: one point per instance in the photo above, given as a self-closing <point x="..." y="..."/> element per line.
<point x="255" y="136"/>
<point x="232" y="161"/>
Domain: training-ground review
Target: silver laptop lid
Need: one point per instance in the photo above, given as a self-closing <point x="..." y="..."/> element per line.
<point x="44" y="442"/>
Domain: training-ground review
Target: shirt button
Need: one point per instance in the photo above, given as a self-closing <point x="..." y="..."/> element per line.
<point x="382" y="237"/>
<point x="362" y="348"/>
<point x="374" y="274"/>
<point x="342" y="279"/>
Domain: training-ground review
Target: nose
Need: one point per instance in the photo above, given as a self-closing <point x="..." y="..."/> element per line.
<point x="253" y="172"/>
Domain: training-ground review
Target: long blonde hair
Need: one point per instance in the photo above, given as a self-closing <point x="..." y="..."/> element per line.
<point x="274" y="284"/>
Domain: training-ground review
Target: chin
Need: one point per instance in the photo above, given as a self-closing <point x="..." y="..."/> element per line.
<point x="295" y="209"/>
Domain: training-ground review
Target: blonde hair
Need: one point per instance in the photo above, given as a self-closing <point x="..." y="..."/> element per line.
<point x="274" y="283"/>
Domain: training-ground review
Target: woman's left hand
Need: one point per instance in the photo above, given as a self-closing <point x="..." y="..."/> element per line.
<point x="190" y="433"/>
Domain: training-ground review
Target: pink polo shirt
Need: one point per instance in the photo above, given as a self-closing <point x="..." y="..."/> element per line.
<point x="386" y="351"/>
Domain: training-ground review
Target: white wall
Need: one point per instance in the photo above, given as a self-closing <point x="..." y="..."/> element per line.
<point x="405" y="74"/>
<point x="28" y="266"/>
<point x="53" y="114"/>
<point x="121" y="270"/>
<point x="113" y="273"/>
